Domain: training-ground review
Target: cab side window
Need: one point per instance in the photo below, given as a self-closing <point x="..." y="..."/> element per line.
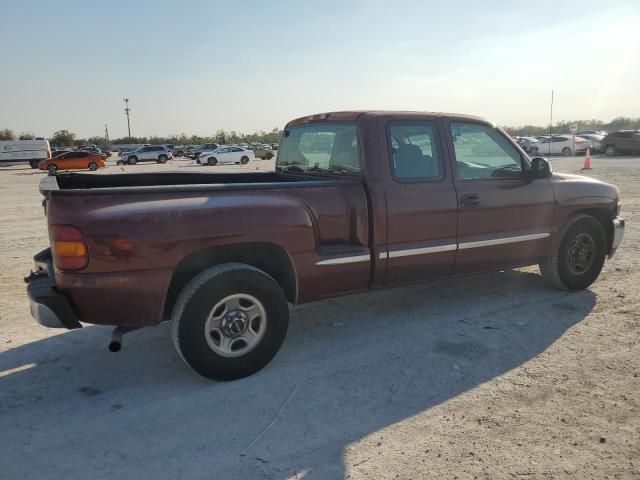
<point x="482" y="152"/>
<point x="414" y="152"/>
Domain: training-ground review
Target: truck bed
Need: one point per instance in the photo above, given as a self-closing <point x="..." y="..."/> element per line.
<point x="173" y="181"/>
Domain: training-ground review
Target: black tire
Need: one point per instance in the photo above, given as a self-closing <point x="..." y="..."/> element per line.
<point x="244" y="160"/>
<point x="132" y="160"/>
<point x="195" y="304"/>
<point x="534" y="151"/>
<point x="34" y="163"/>
<point x="53" y="168"/>
<point x="557" y="269"/>
<point x="162" y="159"/>
<point x="93" y="166"/>
<point x="566" y="151"/>
<point x="610" y="150"/>
<point x="269" y="156"/>
<point x="211" y="161"/>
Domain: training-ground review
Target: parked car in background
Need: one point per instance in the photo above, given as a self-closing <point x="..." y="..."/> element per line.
<point x="178" y="150"/>
<point x="595" y="139"/>
<point x="622" y="141"/>
<point x="528" y="143"/>
<point x="152" y="153"/>
<point x="274" y="146"/>
<point x="93" y="149"/>
<point x="77" y="159"/>
<point x="58" y="151"/>
<point x="561" y="145"/>
<point x="581" y="133"/>
<point x="205" y="147"/>
<point x="231" y="154"/>
<point x="27" y="151"/>
<point x="261" y="152"/>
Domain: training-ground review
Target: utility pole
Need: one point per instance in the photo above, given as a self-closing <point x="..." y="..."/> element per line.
<point x="106" y="136"/>
<point x="126" y="111"/>
<point x="550" y="122"/>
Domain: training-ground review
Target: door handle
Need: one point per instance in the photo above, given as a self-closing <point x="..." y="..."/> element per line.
<point x="469" y="200"/>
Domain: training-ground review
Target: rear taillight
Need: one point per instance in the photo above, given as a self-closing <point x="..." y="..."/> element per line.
<point x="49" y="154"/>
<point x="69" y="247"/>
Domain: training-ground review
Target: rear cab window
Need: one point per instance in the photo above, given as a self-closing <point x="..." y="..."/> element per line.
<point x="414" y="151"/>
<point x="329" y="147"/>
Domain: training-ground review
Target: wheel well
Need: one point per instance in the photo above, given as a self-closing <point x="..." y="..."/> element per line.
<point x="271" y="259"/>
<point x="603" y="216"/>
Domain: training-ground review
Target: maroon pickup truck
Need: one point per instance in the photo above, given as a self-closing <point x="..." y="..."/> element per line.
<point x="358" y="201"/>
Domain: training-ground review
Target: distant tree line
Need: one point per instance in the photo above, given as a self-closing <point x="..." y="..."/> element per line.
<point x="65" y="138"/>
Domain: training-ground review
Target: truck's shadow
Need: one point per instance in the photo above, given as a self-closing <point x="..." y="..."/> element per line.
<point x="356" y="365"/>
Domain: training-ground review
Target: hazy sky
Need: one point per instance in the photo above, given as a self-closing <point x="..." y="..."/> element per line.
<point x="198" y="66"/>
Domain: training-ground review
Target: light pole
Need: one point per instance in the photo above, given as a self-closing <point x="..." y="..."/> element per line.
<point x="126" y="111"/>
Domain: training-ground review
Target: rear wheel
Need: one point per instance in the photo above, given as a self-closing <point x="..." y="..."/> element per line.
<point x="610" y="151"/>
<point x="578" y="259"/>
<point x="162" y="159"/>
<point x="53" y="168"/>
<point x="93" y="166"/>
<point x="229" y="321"/>
<point x="34" y="163"/>
<point x="244" y="160"/>
<point x="269" y="156"/>
<point x="566" y="151"/>
<point x="211" y="161"/>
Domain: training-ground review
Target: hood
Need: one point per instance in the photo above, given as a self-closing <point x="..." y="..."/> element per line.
<point x="568" y="186"/>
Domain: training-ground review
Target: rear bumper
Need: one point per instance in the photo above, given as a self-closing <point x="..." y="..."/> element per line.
<point x="618" y="233"/>
<point x="49" y="307"/>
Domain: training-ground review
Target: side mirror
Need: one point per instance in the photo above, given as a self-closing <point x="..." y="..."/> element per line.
<point x="540" y="168"/>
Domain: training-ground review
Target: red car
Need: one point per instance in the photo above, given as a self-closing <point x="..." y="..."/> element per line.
<point x="79" y="159"/>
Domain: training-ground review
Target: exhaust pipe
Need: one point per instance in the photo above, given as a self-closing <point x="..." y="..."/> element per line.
<point x="116" y="337"/>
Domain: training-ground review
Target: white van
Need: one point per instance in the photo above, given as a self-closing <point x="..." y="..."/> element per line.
<point x="31" y="151"/>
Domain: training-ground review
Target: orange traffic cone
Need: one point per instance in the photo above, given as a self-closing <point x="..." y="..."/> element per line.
<point x="587" y="160"/>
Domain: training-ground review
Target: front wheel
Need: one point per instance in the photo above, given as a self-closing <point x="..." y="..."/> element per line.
<point x="133" y="160"/>
<point x="52" y="168"/>
<point x="244" y="160"/>
<point x="93" y="166"/>
<point x="229" y="321"/>
<point x="578" y="259"/>
<point x="211" y="161"/>
<point x="162" y="159"/>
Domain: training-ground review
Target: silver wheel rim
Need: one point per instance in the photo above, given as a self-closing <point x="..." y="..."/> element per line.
<point x="581" y="254"/>
<point x="236" y="325"/>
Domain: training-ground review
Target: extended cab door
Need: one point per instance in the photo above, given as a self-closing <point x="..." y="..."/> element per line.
<point x="504" y="217"/>
<point x="420" y="199"/>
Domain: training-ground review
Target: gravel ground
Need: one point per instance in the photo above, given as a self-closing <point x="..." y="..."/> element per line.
<point x="492" y="376"/>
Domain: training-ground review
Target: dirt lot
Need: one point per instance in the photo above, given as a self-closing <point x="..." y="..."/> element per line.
<point x="493" y="376"/>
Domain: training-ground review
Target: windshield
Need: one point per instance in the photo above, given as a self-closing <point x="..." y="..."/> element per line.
<point x="320" y="147"/>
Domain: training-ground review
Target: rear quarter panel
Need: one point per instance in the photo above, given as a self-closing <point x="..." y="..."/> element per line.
<point x="135" y="240"/>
